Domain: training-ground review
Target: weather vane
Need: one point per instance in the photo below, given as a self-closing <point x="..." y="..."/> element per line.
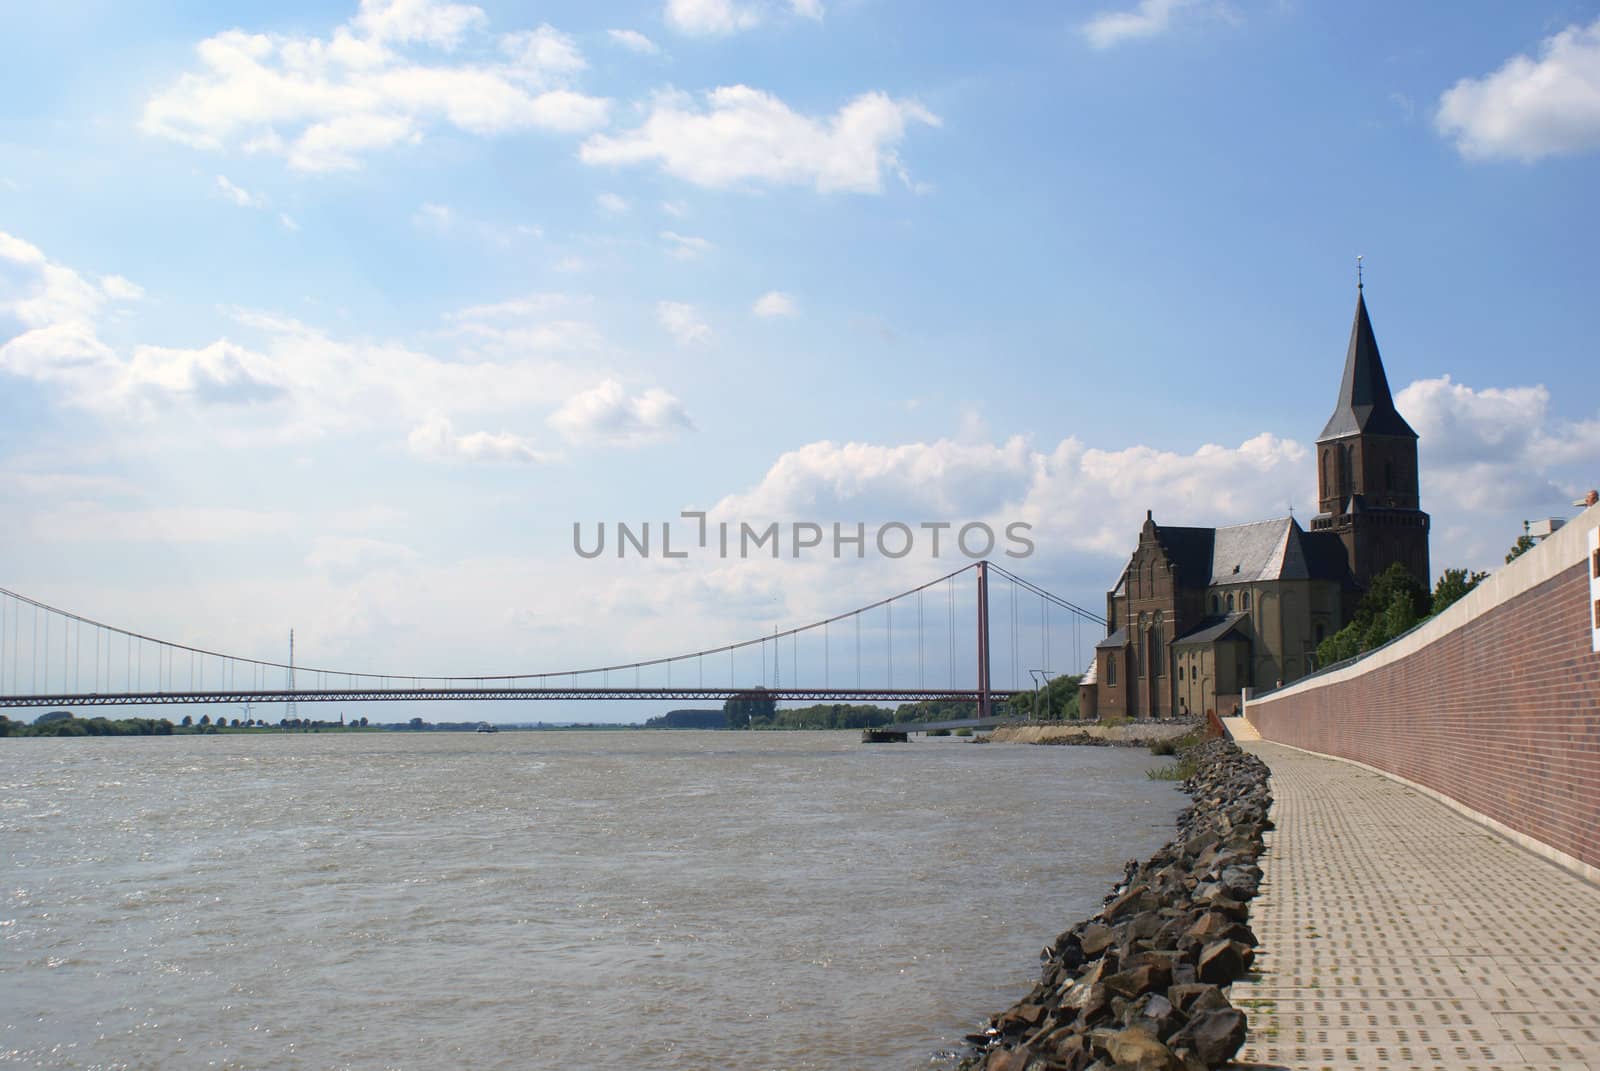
<point x="1358" y="271"/>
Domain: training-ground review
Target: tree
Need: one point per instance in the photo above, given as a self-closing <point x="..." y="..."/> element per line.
<point x="1393" y="603"/>
<point x="1523" y="544"/>
<point x="747" y="708"/>
<point x="363" y="723"/>
<point x="1452" y="585"/>
<point x="205" y="719"/>
<point x="188" y="720"/>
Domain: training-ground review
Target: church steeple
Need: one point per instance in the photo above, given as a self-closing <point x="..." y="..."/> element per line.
<point x="1365" y="405"/>
<point x="1367" y="467"/>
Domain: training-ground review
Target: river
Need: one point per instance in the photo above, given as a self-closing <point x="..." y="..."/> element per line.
<point x="626" y="900"/>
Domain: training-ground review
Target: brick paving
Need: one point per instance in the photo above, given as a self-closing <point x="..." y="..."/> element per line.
<point x="1397" y="935"/>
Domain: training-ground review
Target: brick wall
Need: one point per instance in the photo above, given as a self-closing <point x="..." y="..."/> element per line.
<point x="1495" y="703"/>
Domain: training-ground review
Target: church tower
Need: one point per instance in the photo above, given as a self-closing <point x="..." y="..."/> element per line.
<point x="1367" y="468"/>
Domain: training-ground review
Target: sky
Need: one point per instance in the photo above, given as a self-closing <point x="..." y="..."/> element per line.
<point x="340" y="316"/>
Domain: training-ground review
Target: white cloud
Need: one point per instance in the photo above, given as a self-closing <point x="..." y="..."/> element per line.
<point x="810" y="9"/>
<point x="675" y="209"/>
<point x="775" y="303"/>
<point x="741" y="135"/>
<point x="607" y="414"/>
<point x="1149" y="18"/>
<point x="612" y="203"/>
<point x="239" y="196"/>
<point x="1495" y="448"/>
<point x="285" y="380"/>
<point x="287" y="222"/>
<point x="435" y="216"/>
<point x="634" y="41"/>
<point x="1530" y="108"/>
<point x="683" y="323"/>
<point x="425" y="21"/>
<point x="326" y="103"/>
<point x="703" y="17"/>
<point x="684" y="246"/>
<point x="437" y="440"/>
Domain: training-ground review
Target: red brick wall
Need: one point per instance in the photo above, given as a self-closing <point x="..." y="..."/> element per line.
<point x="1501" y="714"/>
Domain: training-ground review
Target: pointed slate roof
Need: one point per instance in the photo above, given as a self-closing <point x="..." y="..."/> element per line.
<point x="1365" y="405"/>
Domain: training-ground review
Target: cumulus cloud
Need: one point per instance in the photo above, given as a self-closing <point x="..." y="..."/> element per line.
<point x="1147" y="19"/>
<point x="703" y="17"/>
<point x="685" y="246"/>
<point x="634" y="41"/>
<point x="683" y="323"/>
<point x="1530" y="108"/>
<point x="608" y="414"/>
<point x="302" y="381"/>
<point x="436" y="439"/>
<point x="613" y="203"/>
<point x="324" y="104"/>
<point x="738" y="136"/>
<point x="775" y="303"/>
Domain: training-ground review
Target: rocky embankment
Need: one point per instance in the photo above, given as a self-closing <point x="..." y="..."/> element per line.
<point x="1141" y="986"/>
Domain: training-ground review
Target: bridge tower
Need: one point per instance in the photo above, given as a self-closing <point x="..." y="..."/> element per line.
<point x="983" y="639"/>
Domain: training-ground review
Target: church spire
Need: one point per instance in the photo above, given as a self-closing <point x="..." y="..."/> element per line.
<point x="1365" y="405"/>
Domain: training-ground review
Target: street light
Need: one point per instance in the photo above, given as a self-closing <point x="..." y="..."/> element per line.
<point x="1038" y="675"/>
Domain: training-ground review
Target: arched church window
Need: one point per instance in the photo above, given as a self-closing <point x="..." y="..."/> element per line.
<point x="1324" y="474"/>
<point x="1246" y="599"/>
<point x="1230" y="602"/>
<point x="1216" y="605"/>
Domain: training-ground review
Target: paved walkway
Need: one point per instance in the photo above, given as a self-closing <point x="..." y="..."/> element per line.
<point x="1398" y="935"/>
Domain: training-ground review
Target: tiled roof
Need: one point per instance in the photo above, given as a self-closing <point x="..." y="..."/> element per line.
<point x="1211" y="630"/>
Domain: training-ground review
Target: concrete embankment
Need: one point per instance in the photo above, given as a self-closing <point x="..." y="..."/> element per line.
<point x="1133" y="734"/>
<point x="1141" y="984"/>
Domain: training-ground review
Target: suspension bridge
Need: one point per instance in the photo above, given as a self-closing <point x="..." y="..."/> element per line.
<point x="855" y="656"/>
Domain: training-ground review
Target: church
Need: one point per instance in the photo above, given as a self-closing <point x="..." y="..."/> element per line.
<point x="1200" y="614"/>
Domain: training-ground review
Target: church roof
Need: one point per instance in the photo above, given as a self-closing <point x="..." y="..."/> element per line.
<point x="1211" y="630"/>
<point x="1278" y="549"/>
<point x="1365" y="405"/>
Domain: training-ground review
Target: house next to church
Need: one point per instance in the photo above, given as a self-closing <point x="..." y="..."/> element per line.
<point x="1200" y="614"/>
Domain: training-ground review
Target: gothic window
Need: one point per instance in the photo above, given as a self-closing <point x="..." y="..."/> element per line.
<point x="1324" y="474"/>
<point x="1230" y="602"/>
<point x="1180" y="671"/>
<point x="1111" y="670"/>
<point x="1216" y="606"/>
<point x="1246" y="605"/>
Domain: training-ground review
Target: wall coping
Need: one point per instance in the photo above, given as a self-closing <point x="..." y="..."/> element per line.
<point x="1553" y="556"/>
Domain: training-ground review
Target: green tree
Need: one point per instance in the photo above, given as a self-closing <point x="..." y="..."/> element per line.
<point x="205" y="719"/>
<point x="188" y="720"/>
<point x="1523" y="544"/>
<point x="1394" y="602"/>
<point x="747" y="709"/>
<point x="1452" y="585"/>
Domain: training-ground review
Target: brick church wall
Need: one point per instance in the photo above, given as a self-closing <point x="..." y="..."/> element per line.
<point x="1495" y="703"/>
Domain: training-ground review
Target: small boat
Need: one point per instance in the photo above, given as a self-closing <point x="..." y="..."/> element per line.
<point x="485" y="727"/>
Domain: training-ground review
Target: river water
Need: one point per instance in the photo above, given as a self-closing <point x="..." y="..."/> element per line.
<point x="622" y="900"/>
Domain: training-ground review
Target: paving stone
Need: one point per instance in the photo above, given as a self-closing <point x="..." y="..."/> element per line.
<point x="1397" y="935"/>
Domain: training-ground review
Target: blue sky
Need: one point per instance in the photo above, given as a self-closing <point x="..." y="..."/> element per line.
<point x="339" y="316"/>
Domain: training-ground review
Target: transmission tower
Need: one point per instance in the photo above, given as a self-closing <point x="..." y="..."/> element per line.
<point x="288" y="707"/>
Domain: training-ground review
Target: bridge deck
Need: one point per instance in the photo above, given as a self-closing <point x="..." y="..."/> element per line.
<point x="480" y="693"/>
<point x="1396" y="933"/>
